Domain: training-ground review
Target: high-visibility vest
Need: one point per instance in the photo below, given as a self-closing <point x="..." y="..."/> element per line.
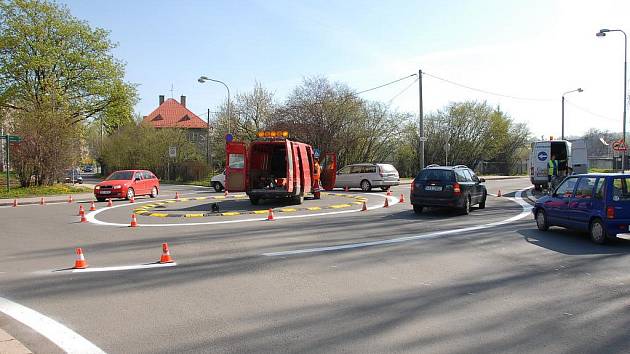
<point x="553" y="167"/>
<point x="316" y="170"/>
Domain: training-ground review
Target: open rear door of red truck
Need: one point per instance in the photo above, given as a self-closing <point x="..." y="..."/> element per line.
<point x="329" y="170"/>
<point x="236" y="167"/>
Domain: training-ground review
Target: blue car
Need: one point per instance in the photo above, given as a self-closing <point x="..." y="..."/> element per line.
<point x="597" y="203"/>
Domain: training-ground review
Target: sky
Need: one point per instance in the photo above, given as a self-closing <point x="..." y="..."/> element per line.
<point x="522" y="55"/>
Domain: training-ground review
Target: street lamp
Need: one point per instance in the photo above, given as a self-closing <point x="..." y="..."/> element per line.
<point x="578" y="90"/>
<point x="203" y="79"/>
<point x="602" y="33"/>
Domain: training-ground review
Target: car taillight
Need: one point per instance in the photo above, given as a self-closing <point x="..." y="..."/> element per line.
<point x="457" y="189"/>
<point x="413" y="183"/>
<point x="610" y="212"/>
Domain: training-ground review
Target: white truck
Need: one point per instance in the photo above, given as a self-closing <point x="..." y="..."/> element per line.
<point x="572" y="156"/>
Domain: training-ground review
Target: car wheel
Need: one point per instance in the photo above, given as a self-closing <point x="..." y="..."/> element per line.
<point x="417" y="209"/>
<point x="482" y="203"/>
<point x="366" y="186"/>
<point x="217" y="186"/>
<point x="466" y="209"/>
<point x="154" y="192"/>
<point x="541" y="220"/>
<point x="385" y="189"/>
<point x="130" y="193"/>
<point x="598" y="232"/>
<point x="254" y="201"/>
<point x="100" y="199"/>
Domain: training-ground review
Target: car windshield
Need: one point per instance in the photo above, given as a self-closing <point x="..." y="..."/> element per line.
<point x="620" y="188"/>
<point x="388" y="168"/>
<point x="120" y="175"/>
<point x="435" y="175"/>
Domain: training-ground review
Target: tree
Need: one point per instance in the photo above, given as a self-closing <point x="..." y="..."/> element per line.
<point x="59" y="72"/>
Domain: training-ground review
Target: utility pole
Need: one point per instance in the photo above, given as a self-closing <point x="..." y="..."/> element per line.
<point x="421" y="119"/>
<point x="208" y="155"/>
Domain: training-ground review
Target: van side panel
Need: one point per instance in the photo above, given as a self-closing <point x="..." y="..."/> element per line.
<point x="290" y="167"/>
<point x="305" y="172"/>
<point x="297" y="182"/>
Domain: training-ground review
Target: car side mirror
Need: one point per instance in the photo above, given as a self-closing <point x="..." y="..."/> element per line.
<point x="137" y="178"/>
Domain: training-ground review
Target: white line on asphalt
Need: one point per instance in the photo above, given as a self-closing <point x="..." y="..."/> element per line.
<point x="112" y="269"/>
<point x="525" y="211"/>
<point x="65" y="338"/>
<point x="91" y="217"/>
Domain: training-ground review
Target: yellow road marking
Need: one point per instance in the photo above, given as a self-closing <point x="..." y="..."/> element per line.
<point x="170" y="201"/>
<point x="314" y="208"/>
<point x="159" y="215"/>
<point x="193" y="215"/>
<point x="231" y="213"/>
<point x="261" y="211"/>
<point x="201" y="198"/>
<point x="286" y="210"/>
<point x="339" y="206"/>
<point x="219" y="197"/>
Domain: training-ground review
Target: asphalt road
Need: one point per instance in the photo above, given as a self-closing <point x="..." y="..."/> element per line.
<point x="329" y="280"/>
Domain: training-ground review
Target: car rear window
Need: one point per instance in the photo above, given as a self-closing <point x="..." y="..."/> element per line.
<point x="120" y="175"/>
<point x="436" y="175"/>
<point x="388" y="168"/>
<point x="620" y="188"/>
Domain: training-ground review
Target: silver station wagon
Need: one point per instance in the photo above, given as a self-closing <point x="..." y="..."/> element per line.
<point x="367" y="175"/>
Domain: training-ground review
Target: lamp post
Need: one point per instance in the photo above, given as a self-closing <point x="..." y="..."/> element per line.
<point x="568" y="92"/>
<point x="602" y="33"/>
<point x="203" y="79"/>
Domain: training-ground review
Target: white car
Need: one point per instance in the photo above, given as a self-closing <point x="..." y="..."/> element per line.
<point x="367" y="175"/>
<point x="218" y="181"/>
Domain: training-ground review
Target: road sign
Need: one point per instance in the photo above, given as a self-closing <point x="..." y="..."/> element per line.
<point x="423" y="138"/>
<point x="229" y="137"/>
<point x="172" y="151"/>
<point x="619" y="146"/>
<point x="11" y="138"/>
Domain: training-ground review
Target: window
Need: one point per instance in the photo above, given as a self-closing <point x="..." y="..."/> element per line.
<point x="436" y="175"/>
<point x="369" y="169"/>
<point x="237" y="161"/>
<point x="387" y="168"/>
<point x="120" y="175"/>
<point x="585" y="187"/>
<point x="565" y="190"/>
<point x="620" y="188"/>
<point x="599" y="189"/>
<point x="474" y="176"/>
<point x="147" y="175"/>
<point x="138" y="175"/>
<point x="356" y="169"/>
<point x="460" y="176"/>
<point x="344" y="170"/>
<point x="468" y="175"/>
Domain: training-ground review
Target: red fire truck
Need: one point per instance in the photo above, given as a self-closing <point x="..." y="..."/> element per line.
<point x="273" y="167"/>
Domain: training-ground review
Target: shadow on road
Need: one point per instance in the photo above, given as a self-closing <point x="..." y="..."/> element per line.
<point x="571" y="242"/>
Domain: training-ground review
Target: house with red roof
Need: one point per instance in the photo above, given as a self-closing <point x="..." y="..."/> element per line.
<point x="173" y="114"/>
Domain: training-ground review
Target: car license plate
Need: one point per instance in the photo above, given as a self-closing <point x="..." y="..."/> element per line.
<point x="433" y="188"/>
<point x="105" y="192"/>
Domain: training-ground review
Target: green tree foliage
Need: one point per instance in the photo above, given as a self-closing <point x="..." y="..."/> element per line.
<point x="144" y="147"/>
<point x="59" y="72"/>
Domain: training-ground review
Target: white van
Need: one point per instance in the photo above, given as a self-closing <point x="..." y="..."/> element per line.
<point x="572" y="156"/>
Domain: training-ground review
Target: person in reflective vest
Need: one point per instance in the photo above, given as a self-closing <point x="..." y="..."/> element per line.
<point x="317" y="170"/>
<point x="553" y="166"/>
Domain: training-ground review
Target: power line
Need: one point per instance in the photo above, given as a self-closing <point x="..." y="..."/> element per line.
<point x="589" y="112"/>
<point x="488" y="92"/>
<point x="387" y="84"/>
<point x="401" y="92"/>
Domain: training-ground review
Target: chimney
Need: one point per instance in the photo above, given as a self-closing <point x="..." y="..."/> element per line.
<point x="183" y="100"/>
<point x="161" y="99"/>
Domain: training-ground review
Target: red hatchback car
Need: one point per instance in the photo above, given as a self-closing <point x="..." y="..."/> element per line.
<point x="126" y="184"/>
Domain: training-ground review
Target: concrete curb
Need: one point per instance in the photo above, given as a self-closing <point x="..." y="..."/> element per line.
<point x="10" y="345"/>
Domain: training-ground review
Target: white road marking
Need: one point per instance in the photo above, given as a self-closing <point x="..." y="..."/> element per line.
<point x="65" y="338"/>
<point x="525" y="212"/>
<point x="91" y="217"/>
<point x="129" y="267"/>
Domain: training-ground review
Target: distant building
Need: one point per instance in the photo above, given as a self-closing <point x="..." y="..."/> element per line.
<point x="173" y="114"/>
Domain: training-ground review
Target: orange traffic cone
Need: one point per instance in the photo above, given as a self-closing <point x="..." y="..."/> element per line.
<point x="70" y="200"/>
<point x="166" y="254"/>
<point x="402" y="198"/>
<point x="92" y="206"/>
<point x="42" y="201"/>
<point x="83" y="219"/>
<point x="177" y="196"/>
<point x="225" y="193"/>
<point x="499" y="193"/>
<point x="109" y="202"/>
<point x="386" y="205"/>
<point x="81" y="210"/>
<point x="389" y="192"/>
<point x="364" y="208"/>
<point x="15" y="202"/>
<point x="80" y="262"/>
<point x="346" y="189"/>
<point x="270" y="215"/>
<point x="133" y="199"/>
<point x="134" y="222"/>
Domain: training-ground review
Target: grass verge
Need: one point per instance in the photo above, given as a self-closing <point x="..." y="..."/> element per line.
<point x="55" y="189"/>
